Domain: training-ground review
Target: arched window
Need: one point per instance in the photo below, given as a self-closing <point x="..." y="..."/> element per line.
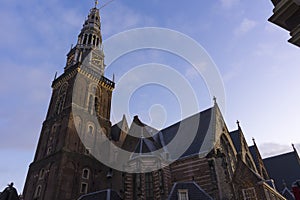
<point x="91" y="130"/>
<point x="84" y="39"/>
<point x="38" y="191"/>
<point x="90" y="39"/>
<point x="97" y="41"/>
<point x="97" y="105"/>
<point x="85" y="173"/>
<point x="61" y="98"/>
<point x="90" y="106"/>
<point x="42" y="174"/>
<point x="94" y="40"/>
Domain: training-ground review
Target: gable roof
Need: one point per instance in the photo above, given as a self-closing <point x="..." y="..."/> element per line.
<point x="283" y="168"/>
<point x="195" y="192"/>
<point x="101" y="195"/>
<point x="197" y="135"/>
<point x="117" y="129"/>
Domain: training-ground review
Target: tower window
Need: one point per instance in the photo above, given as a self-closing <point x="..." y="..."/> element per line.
<point x="49" y="150"/>
<point x="85" y="39"/>
<point x="90" y="39"/>
<point x="85" y="173"/>
<point x="61" y="98"/>
<point x="96" y="104"/>
<point x="38" y="191"/>
<point x="42" y="174"/>
<point x="90" y="106"/>
<point x="91" y="130"/>
<point x="84" y="188"/>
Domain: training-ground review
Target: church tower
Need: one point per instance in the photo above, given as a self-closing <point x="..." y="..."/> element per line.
<point x="64" y="167"/>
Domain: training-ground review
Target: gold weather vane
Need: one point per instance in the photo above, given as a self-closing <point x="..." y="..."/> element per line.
<point x="96" y="3"/>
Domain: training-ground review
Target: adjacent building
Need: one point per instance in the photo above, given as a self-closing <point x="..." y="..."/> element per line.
<point x="286" y="14"/>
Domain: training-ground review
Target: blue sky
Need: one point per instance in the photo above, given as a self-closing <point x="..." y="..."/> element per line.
<point x="259" y="68"/>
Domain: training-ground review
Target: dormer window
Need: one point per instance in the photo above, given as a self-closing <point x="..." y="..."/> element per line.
<point x="183" y="195"/>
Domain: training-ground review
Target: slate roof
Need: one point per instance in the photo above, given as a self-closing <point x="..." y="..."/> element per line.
<point x="284" y="167"/>
<point x="254" y="156"/>
<point x="116" y="129"/>
<point x="195" y="192"/>
<point x="200" y="124"/>
<point x="188" y="125"/>
<point x="236" y="139"/>
<point x="101" y="195"/>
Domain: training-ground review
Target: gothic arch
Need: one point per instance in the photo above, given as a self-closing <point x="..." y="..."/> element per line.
<point x="60" y="101"/>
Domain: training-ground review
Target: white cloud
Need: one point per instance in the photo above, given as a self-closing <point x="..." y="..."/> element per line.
<point x="228" y="3"/>
<point x="245" y="26"/>
<point x="273" y="149"/>
<point x="123" y="18"/>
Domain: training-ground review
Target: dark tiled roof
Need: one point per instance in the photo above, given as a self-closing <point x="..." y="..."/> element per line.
<point x="285" y="167"/>
<point x="254" y="155"/>
<point x="116" y="129"/>
<point x="195" y="192"/>
<point x="152" y="140"/>
<point x="101" y="195"/>
<point x="186" y="126"/>
<point x="236" y="139"/>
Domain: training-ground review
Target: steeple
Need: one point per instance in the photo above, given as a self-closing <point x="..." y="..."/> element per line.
<point x="90" y="35"/>
<point x="88" y="49"/>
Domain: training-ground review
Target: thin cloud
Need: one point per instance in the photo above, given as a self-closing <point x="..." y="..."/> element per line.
<point x="227" y="4"/>
<point x="245" y="26"/>
<point x="273" y="149"/>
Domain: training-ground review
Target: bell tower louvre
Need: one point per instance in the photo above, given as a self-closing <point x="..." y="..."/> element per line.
<point x="63" y="168"/>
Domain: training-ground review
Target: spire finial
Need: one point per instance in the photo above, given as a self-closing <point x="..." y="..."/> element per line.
<point x="294" y="147"/>
<point x="96" y="3"/>
<point x="238" y="123"/>
<point x="253" y="139"/>
<point x="215" y="100"/>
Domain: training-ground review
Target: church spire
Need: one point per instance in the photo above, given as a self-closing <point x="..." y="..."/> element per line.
<point x="90" y="35"/>
<point x="88" y="51"/>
